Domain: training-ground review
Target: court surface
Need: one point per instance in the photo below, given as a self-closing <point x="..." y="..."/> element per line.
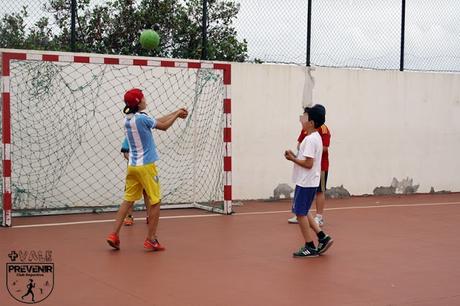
<point x="398" y="250"/>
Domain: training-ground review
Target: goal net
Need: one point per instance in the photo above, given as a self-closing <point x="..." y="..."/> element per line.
<point x="66" y="126"/>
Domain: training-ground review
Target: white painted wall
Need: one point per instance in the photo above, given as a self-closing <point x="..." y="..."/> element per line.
<point x="391" y="124"/>
<point x="384" y="124"/>
<point x="266" y="104"/>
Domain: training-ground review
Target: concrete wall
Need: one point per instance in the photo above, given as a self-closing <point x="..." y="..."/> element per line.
<point x="385" y="125"/>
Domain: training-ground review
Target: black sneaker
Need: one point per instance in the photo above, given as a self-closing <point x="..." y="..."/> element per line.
<point x="324" y="244"/>
<point x="306" y="252"/>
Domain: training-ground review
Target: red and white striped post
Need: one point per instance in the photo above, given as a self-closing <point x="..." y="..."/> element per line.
<point x="227" y="136"/>
<point x="6" y="134"/>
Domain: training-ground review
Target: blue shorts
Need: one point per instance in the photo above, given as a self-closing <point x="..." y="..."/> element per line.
<point x="303" y="198"/>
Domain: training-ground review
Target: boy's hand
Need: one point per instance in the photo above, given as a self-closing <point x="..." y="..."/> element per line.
<point x="182" y="113"/>
<point x="289" y="155"/>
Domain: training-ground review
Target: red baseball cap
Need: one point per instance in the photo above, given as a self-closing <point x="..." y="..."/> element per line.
<point x="133" y="97"/>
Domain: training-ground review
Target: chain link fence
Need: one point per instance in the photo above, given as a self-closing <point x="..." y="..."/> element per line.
<point x="432" y="35"/>
<point x="276" y="31"/>
<point x="35" y="9"/>
<point x="349" y="33"/>
<point x="364" y="33"/>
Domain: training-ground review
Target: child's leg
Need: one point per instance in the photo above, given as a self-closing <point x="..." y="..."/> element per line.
<point x="324" y="241"/>
<point x="152" y="197"/>
<point x="154" y="217"/>
<point x="129" y="219"/>
<point x="303" y="198"/>
<point x="121" y="214"/>
<point x="304" y="223"/>
<point x="147" y="203"/>
<point x="315" y="227"/>
<point x="133" y="191"/>
<point x="313" y="223"/>
<point x="320" y="200"/>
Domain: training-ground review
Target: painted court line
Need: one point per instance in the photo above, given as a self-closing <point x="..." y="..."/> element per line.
<point x="111" y="220"/>
<point x="242" y="214"/>
<point x="353" y="207"/>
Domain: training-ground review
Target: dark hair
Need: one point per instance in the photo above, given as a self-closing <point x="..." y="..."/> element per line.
<point x="316" y="115"/>
<point x="320" y="108"/>
<point x="130" y="109"/>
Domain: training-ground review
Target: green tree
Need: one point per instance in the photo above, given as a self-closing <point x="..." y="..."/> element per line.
<point x="12" y="34"/>
<point x="114" y="28"/>
<point x="222" y="41"/>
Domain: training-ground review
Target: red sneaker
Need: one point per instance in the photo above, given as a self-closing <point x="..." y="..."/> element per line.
<point x="153" y="245"/>
<point x="114" y="241"/>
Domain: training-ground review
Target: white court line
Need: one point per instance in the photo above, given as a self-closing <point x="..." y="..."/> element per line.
<point x="353" y="207"/>
<point x="111" y="220"/>
<point x="241" y="214"/>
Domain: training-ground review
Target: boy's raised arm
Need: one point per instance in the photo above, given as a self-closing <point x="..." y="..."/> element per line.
<point x="163" y="123"/>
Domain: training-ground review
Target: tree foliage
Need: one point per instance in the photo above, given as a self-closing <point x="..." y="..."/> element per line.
<point x="114" y="28"/>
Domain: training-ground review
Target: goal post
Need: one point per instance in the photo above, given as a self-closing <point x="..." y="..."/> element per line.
<point x="62" y="129"/>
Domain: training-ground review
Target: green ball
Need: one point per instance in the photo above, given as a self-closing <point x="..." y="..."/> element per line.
<point x="149" y="39"/>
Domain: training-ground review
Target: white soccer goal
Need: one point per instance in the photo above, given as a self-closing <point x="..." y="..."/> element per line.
<point x="62" y="128"/>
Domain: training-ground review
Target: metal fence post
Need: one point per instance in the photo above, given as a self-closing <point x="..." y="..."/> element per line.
<point x="308" y="32"/>
<point x="403" y="25"/>
<point x="73" y="13"/>
<point x="204" y="32"/>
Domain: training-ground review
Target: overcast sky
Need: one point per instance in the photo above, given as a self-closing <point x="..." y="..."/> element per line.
<point x="356" y="33"/>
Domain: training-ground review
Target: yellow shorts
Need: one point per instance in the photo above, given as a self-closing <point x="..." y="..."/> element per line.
<point x="139" y="178"/>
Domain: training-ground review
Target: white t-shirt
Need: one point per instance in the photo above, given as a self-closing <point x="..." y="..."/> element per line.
<point x="311" y="146"/>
